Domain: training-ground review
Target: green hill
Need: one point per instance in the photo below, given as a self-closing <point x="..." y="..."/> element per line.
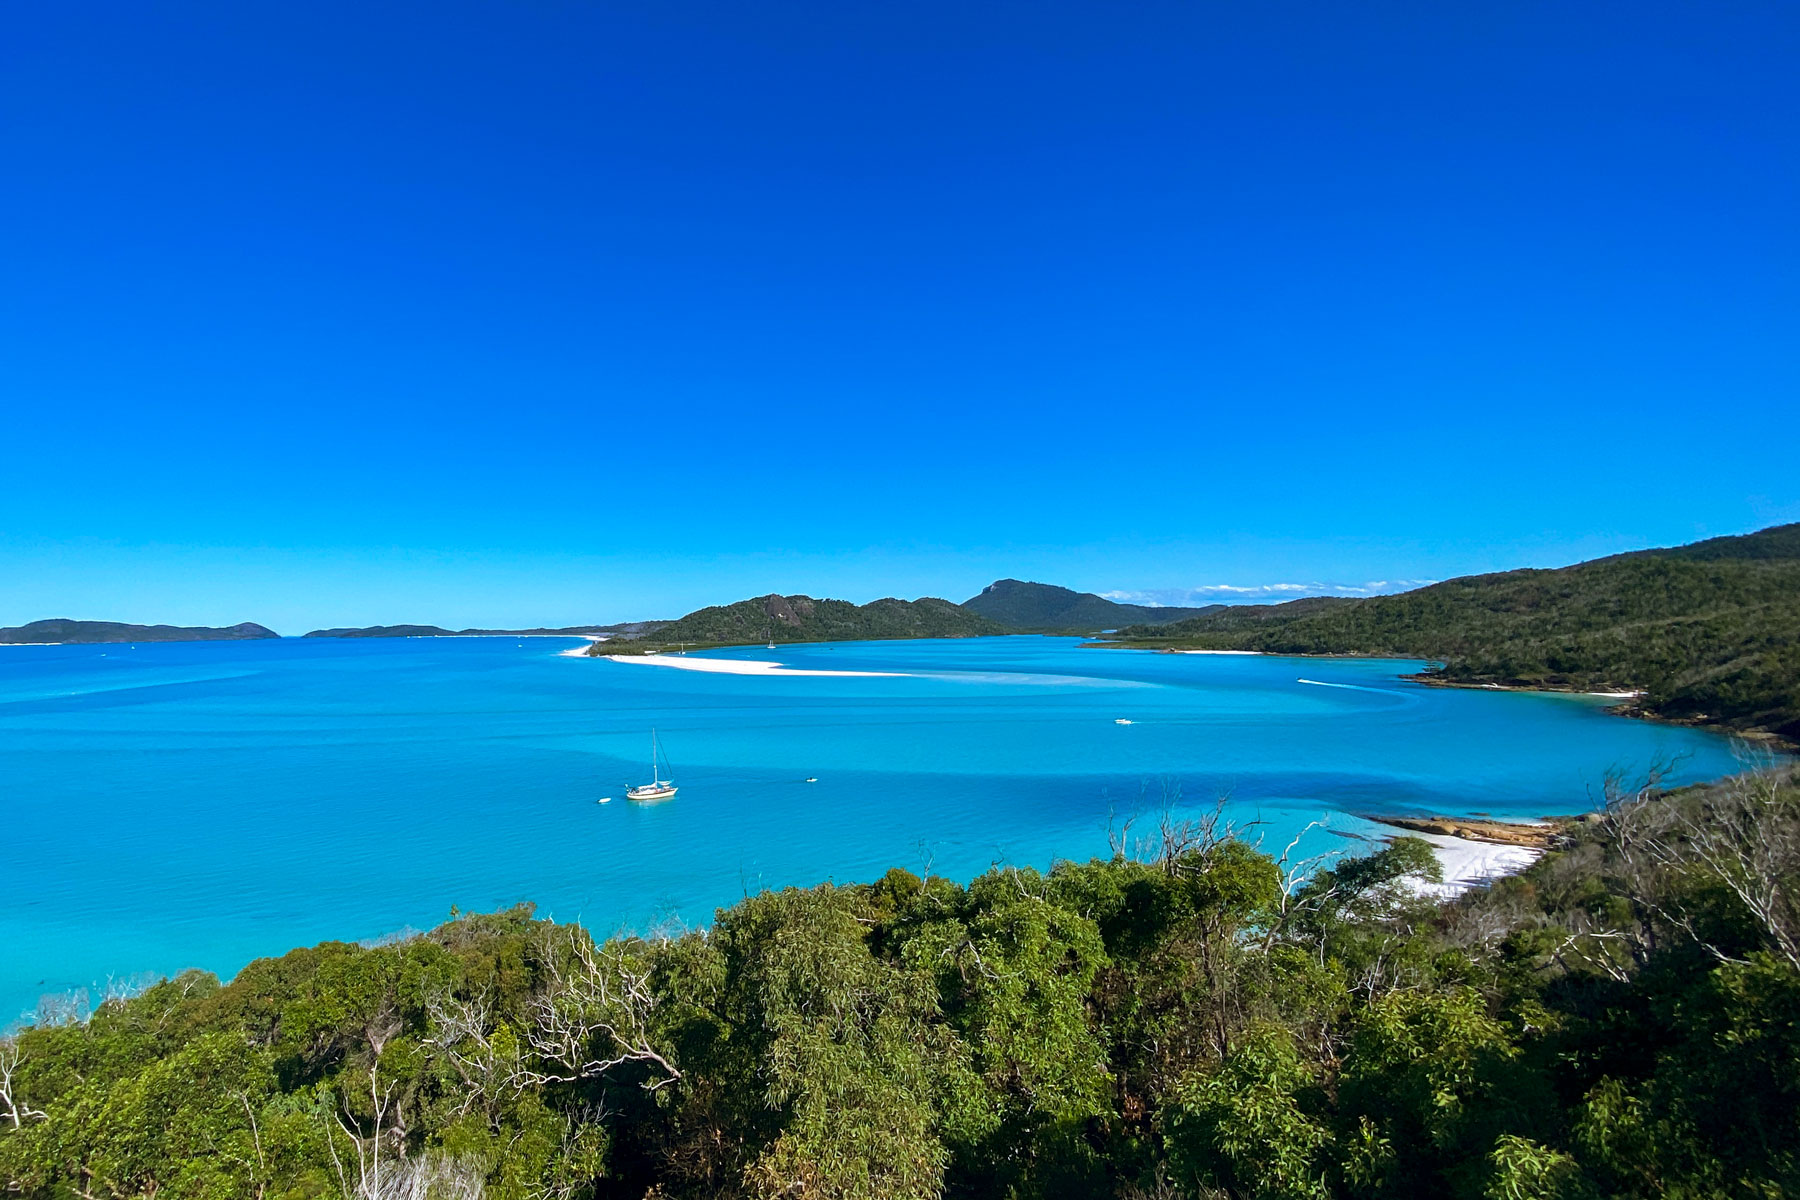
<point x="1022" y="605"/>
<point x="1709" y="632"/>
<point x="84" y="632"/>
<point x="804" y="619"/>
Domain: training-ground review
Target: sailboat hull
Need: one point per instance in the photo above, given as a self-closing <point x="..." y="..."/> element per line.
<point x="650" y="793"/>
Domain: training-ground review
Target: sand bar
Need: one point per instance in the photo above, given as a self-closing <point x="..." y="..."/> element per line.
<point x="733" y="666"/>
<point x="581" y="651"/>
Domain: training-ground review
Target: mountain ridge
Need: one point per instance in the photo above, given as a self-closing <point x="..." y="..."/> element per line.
<point x="1024" y="605"/>
<point x="64" y="631"/>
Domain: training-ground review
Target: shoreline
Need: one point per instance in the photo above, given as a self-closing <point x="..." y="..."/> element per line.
<point x="1627" y="705"/>
<point x="588" y="642"/>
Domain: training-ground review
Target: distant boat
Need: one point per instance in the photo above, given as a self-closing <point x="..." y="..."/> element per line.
<point x="604" y="800"/>
<point x="658" y="788"/>
<point x="812" y="779"/>
<point x="1121" y="720"/>
<point x="771" y="637"/>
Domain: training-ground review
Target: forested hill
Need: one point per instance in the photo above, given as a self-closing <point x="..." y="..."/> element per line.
<point x="1709" y="632"/>
<point x="1621" y="1023"/>
<point x="804" y="619"/>
<point x="76" y="632"/>
<point x="1043" y="606"/>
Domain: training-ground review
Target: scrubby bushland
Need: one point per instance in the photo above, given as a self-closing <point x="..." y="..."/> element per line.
<point x="1622" y="1020"/>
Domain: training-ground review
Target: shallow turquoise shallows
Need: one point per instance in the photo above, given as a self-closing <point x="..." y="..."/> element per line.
<point x="203" y="804"/>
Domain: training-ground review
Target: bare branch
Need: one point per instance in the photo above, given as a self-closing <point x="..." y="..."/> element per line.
<point x="593" y="1015"/>
<point x="12" y="1106"/>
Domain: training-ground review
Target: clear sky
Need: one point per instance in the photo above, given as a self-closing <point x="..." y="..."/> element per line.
<point x="556" y="312"/>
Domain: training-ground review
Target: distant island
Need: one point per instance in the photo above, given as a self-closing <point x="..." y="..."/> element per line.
<point x="62" y="630"/>
<point x="1709" y="633"/>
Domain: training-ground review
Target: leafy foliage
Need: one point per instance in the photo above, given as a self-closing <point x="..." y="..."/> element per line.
<point x="1622" y="1020"/>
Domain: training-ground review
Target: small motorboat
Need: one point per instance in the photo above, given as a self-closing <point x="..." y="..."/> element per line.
<point x="1121" y="720"/>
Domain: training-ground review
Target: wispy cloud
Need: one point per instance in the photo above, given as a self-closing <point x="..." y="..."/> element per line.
<point x="1231" y="593"/>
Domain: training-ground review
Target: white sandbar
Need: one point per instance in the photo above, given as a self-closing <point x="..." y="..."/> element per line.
<point x="581" y="651"/>
<point x="732" y="666"/>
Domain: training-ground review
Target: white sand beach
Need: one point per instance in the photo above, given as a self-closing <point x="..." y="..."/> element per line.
<point x="1468" y="863"/>
<point x="1250" y="652"/>
<point x="733" y="666"/>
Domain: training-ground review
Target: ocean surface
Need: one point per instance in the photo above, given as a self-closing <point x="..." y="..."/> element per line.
<point x="204" y="804"/>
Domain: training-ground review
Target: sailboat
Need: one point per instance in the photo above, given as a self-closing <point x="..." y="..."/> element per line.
<point x="658" y="788"/>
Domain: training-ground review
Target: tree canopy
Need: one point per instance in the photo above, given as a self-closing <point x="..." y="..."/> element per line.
<point x="1620" y="1020"/>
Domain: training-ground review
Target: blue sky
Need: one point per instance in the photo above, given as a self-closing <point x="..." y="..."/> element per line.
<point x="558" y="312"/>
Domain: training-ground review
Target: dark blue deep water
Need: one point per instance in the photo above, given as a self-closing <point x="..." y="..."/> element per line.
<point x="203" y="804"/>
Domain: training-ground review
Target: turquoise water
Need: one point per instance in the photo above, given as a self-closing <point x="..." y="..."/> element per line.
<point x="202" y="804"/>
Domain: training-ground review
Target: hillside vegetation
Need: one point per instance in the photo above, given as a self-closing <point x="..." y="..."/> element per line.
<point x="804" y="619"/>
<point x="1045" y="607"/>
<point x="85" y="632"/>
<point x="1709" y="632"/>
<point x="1621" y="1022"/>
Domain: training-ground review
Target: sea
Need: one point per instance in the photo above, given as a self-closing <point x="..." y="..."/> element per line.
<point x="202" y="804"/>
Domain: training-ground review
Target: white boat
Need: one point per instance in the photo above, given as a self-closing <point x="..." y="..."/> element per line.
<point x="658" y="788"/>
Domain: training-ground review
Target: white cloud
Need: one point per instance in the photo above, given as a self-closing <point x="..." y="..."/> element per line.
<point x="1231" y="593"/>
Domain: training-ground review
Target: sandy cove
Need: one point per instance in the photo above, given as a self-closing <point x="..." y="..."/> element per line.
<point x="1473" y="852"/>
